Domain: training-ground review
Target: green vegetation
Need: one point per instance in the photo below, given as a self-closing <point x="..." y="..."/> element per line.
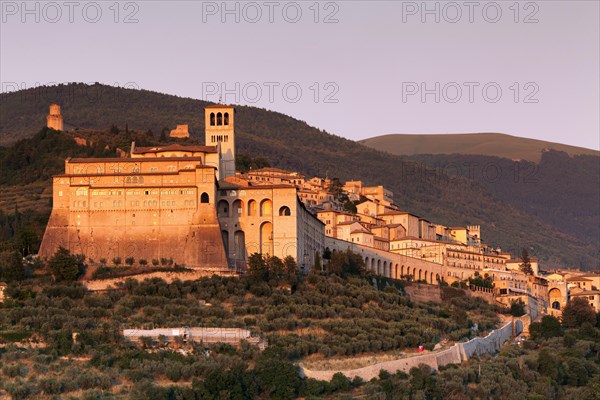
<point x="11" y="266"/>
<point x="577" y="313"/>
<point x="485" y="281"/>
<point x="323" y="315"/>
<point x="65" y="267"/>
<point x="85" y="356"/>
<point x="517" y="308"/>
<point x="525" y="265"/>
<point x="486" y="144"/>
<point x="79" y="349"/>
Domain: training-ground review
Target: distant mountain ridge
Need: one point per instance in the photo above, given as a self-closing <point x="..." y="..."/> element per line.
<point x="486" y="144"/>
<point x="292" y="144"/>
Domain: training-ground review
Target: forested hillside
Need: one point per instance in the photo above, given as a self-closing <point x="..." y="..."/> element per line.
<point x="561" y="190"/>
<point x="487" y="144"/>
<point x="79" y="349"/>
<point x="288" y="143"/>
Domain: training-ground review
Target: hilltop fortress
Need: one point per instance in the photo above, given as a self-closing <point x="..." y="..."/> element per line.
<point x="188" y="204"/>
<point x="178" y="202"/>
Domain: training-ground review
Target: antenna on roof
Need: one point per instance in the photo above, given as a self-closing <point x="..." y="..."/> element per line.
<point x="220" y="99"/>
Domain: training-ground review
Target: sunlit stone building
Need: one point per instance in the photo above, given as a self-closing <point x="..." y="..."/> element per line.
<point x="178" y="202"/>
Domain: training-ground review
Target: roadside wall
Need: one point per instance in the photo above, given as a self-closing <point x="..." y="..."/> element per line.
<point x="487" y="345"/>
<point x="454" y="355"/>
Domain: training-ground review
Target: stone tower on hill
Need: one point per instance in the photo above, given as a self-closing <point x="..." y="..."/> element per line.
<point x="54" y="120"/>
<point x="219" y="131"/>
<point x="181" y="132"/>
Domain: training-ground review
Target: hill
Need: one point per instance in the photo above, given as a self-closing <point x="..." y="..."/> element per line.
<point x="487" y="144"/>
<point x="561" y="190"/>
<point x="290" y="144"/>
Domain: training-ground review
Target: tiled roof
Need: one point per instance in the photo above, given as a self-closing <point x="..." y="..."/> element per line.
<point x="175" y="147"/>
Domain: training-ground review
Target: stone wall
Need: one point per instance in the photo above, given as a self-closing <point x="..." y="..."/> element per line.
<point x="170" y="213"/>
<point x="487" y="345"/>
<point x="198" y="334"/>
<point x="423" y="293"/>
<point x="486" y="295"/>
<point x="454" y="355"/>
<point x="105" y="284"/>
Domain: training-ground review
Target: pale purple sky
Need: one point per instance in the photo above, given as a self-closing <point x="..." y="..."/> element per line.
<point x="362" y="73"/>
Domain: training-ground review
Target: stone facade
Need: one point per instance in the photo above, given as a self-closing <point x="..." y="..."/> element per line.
<point x="181" y="132"/>
<point x="269" y="220"/>
<point x="179" y="202"/>
<point x="146" y="208"/>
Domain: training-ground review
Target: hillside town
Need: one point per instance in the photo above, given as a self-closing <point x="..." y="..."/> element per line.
<point x="189" y="204"/>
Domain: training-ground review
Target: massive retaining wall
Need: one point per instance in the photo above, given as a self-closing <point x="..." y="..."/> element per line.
<point x="487" y="345"/>
<point x="423" y="293"/>
<point x="454" y="355"/>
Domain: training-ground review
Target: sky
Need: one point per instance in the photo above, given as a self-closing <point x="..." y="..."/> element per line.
<point x="356" y="69"/>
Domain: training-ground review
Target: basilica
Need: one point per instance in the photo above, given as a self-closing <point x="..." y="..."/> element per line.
<point x="181" y="203"/>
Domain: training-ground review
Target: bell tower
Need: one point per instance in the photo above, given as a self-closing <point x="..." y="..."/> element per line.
<point x="219" y="122"/>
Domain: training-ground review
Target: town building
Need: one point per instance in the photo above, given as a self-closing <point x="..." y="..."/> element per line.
<point x="188" y="204"/>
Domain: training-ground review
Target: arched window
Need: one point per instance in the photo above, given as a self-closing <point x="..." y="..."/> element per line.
<point x="212" y="119"/>
<point x="219" y="119"/>
<point x="251" y="208"/>
<point x="266" y="208"/>
<point x="204" y="198"/>
<point x="285" y="211"/>
<point x="226" y="119"/>
<point x="266" y="238"/>
<point x="556" y="305"/>
<point x="223" y="208"/>
<point x="237" y="207"/>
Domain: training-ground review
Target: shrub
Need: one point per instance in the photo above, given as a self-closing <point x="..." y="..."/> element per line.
<point x="117" y="260"/>
<point x="155" y="262"/>
<point x="129" y="261"/>
<point x="517" y="308"/>
<point x="577" y="312"/>
<point x="143" y="261"/>
<point x="64" y="266"/>
<point x="11" y="266"/>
